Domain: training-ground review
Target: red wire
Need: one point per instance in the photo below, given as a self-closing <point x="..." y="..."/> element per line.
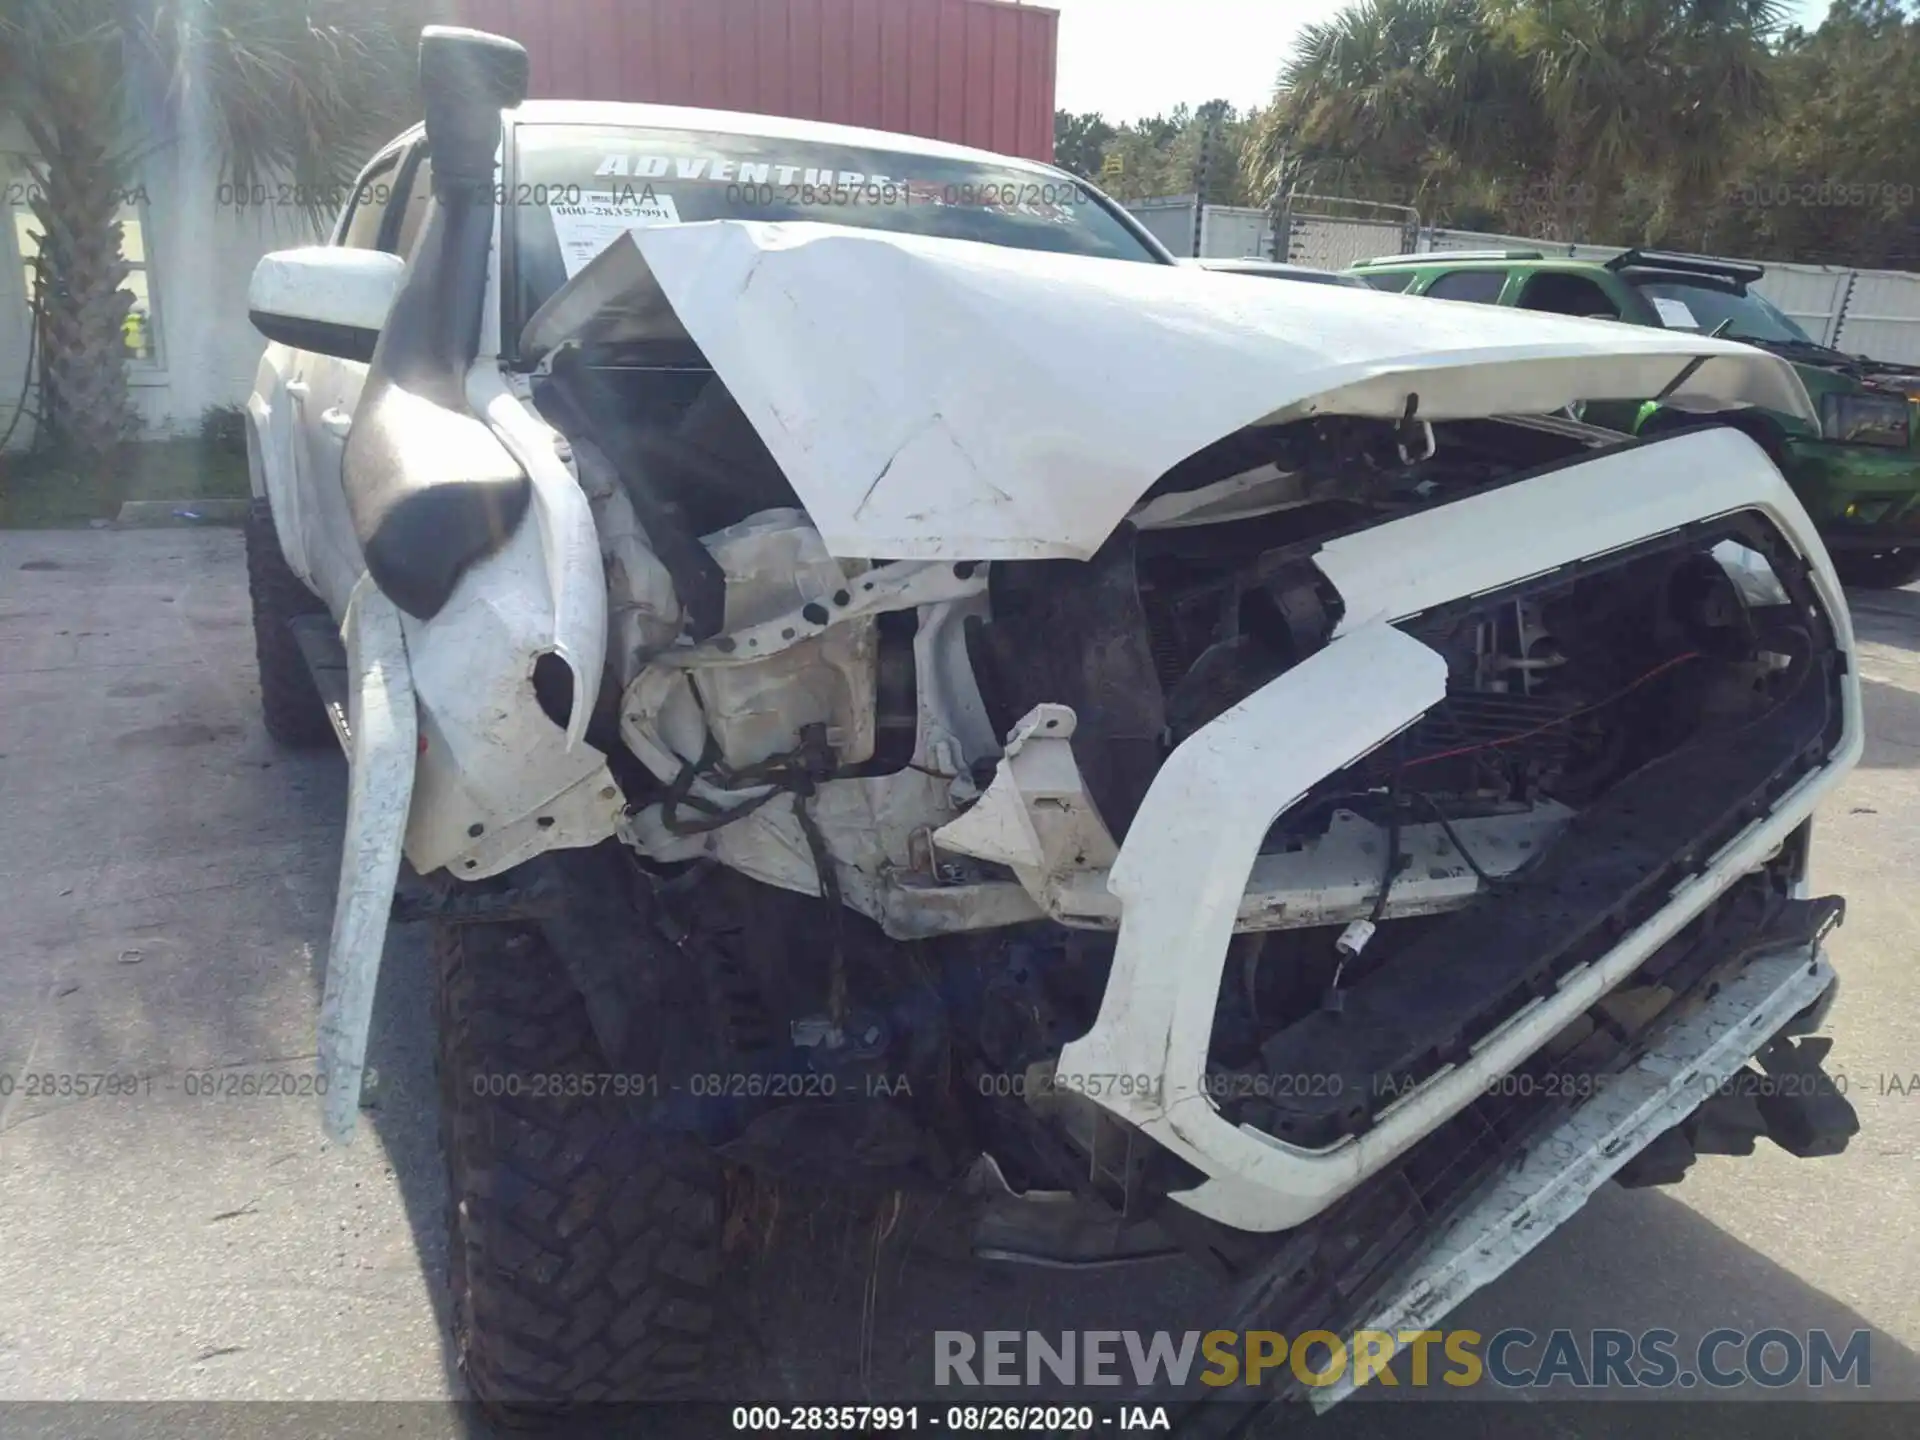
<point x="1663" y="666"/>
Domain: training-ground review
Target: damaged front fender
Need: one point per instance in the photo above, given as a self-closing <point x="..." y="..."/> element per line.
<point x="382" y="741"/>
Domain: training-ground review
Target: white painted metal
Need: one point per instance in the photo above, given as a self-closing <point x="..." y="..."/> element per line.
<point x="936" y="399"/>
<point x="939" y="401"/>
<point x="1509" y="534"/>
<point x="1547" y="1183"/>
<point x="1180" y="877"/>
<point x="1036" y="817"/>
<point x="272" y="473"/>
<point x="870" y="824"/>
<point x="569" y="545"/>
<point x="1233" y="232"/>
<point x="329" y="284"/>
<point x="1189" y="852"/>
<point x="1169" y="219"/>
<point x="18" y="397"/>
<point x="493" y="759"/>
<point x="379" y="789"/>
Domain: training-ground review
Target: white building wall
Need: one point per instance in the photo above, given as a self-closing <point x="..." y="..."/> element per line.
<point x="200" y="256"/>
<point x="1169" y="220"/>
<point x="1883" y="316"/>
<point x="1811" y="294"/>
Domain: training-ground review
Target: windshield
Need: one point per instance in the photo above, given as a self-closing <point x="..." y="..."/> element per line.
<point x="576" y="187"/>
<point x="1683" y="306"/>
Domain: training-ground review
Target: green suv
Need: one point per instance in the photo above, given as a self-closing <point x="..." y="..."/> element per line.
<point x="1858" y="472"/>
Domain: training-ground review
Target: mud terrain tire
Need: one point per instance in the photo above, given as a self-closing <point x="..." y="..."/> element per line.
<point x="289" y="702"/>
<point x="583" y="1245"/>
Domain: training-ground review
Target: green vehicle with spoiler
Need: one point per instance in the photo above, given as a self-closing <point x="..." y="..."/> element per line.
<point x="1858" y="472"/>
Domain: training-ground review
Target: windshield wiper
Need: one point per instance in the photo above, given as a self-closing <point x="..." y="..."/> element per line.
<point x="1813" y="349"/>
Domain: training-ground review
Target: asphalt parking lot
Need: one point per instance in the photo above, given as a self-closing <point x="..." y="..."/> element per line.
<point x="167" y="878"/>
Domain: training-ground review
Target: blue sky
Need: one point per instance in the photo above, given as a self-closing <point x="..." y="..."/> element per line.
<point x="1128" y="58"/>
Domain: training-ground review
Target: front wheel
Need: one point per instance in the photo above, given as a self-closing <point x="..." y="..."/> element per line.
<point x="1877" y="569"/>
<point x="584" y="1244"/>
<point x="290" y="702"/>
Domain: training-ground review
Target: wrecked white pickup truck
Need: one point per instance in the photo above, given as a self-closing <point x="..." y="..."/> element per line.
<point x="886" y="679"/>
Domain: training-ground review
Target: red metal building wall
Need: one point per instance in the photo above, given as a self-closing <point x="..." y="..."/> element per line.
<point x="978" y="72"/>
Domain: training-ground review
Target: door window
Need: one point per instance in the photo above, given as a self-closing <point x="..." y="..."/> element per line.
<point x="360" y="227"/>
<point x="1393" y="281"/>
<point x="1482" y="287"/>
<point x="1559" y="293"/>
<point x="413" y="208"/>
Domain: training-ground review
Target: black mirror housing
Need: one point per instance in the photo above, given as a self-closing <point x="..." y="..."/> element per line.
<point x="467" y="77"/>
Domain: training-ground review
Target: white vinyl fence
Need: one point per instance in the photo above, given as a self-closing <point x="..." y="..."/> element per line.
<point x="1237" y="232"/>
<point x="1864" y="312"/>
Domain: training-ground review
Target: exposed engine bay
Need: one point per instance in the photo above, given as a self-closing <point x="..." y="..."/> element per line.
<point x="958" y="752"/>
<point x="1179" y="766"/>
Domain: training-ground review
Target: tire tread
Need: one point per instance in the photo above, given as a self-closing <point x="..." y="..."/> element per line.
<point x="290" y="702"/>
<point x="583" y="1244"/>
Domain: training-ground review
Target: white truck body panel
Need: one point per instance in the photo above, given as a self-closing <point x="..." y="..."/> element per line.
<point x="987" y="403"/>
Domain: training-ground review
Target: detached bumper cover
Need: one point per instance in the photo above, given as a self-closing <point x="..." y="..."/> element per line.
<point x="1182" y="871"/>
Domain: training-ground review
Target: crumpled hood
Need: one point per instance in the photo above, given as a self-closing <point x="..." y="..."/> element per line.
<point x="942" y="399"/>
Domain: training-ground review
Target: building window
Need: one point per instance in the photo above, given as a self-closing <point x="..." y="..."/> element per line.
<point x="140" y="332"/>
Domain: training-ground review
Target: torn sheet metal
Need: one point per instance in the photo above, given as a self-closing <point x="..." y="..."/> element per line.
<point x="941" y="399"/>
<point x="379" y="793"/>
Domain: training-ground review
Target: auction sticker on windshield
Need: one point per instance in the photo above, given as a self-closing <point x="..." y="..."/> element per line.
<point x="601" y="217"/>
<point x="1674" y="314"/>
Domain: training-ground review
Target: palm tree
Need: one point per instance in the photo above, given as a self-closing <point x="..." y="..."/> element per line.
<point x="1400" y="95"/>
<point x="293" y="88"/>
<point x="1544" y="110"/>
<point x="1667" y="89"/>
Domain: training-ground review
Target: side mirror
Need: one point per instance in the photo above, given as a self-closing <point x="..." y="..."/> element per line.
<point x="324" y="298"/>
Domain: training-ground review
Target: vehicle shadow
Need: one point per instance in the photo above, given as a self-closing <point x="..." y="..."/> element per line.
<point x="844" y="1302"/>
<point x="1904" y="603"/>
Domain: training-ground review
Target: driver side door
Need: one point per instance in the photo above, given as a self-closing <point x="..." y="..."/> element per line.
<point x="328" y="387"/>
